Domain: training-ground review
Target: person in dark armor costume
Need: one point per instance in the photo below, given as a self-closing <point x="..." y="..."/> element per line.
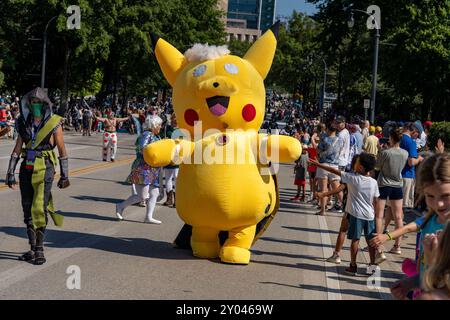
<point x="39" y="133"/>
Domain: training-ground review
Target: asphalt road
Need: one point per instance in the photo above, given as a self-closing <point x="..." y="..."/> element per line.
<point x="133" y="260"/>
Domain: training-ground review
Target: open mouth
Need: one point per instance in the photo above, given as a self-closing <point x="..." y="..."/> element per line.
<point x="218" y="105"/>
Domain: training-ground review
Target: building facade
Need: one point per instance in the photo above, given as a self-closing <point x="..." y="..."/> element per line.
<point x="248" y="19"/>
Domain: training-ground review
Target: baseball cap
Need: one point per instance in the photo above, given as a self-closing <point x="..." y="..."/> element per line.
<point x="340" y="119"/>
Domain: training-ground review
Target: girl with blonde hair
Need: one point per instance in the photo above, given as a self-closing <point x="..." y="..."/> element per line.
<point x="436" y="280"/>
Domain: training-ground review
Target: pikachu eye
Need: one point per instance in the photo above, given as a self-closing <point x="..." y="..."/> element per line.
<point x="200" y="70"/>
<point x="231" y="68"/>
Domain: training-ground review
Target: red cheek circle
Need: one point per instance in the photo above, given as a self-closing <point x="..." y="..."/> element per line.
<point x="249" y="112"/>
<point x="190" y="116"/>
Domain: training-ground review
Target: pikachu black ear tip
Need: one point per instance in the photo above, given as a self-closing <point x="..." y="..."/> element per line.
<point x="155" y="39"/>
<point x="275" y="28"/>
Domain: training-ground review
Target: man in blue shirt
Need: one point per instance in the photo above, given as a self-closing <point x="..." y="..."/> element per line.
<point x="408" y="143"/>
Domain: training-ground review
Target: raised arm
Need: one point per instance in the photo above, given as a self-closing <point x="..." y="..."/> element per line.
<point x="325" y="167"/>
<point x="122" y="119"/>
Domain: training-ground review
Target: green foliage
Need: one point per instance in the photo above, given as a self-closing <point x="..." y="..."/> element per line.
<point x="414" y="61"/>
<point x="296" y="42"/>
<point x="439" y="130"/>
<point x="2" y="76"/>
<point x="111" y="53"/>
<point x="238" y="48"/>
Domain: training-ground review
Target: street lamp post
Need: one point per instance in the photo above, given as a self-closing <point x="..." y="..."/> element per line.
<point x="374" y="75"/>
<point x="324" y="86"/>
<point x="44" y="53"/>
<point x="376" y="46"/>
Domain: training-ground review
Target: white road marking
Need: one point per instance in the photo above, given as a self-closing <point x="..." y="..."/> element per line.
<point x="331" y="273"/>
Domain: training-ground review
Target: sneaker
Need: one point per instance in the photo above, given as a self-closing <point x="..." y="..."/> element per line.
<point x="395" y="250"/>
<point x="119" y="212"/>
<point x="352" y="270"/>
<point x="337" y="208"/>
<point x="335" y="258"/>
<point x="380" y="257"/>
<point x="152" y="221"/>
<point x="295" y="199"/>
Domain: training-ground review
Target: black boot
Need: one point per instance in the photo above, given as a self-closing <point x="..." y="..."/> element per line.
<point x="39" y="253"/>
<point x="28" y="256"/>
<point x="173" y="197"/>
<point x="169" y="201"/>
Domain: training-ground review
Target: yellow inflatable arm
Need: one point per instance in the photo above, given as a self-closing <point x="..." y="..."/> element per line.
<point x="279" y="148"/>
<point x="168" y="151"/>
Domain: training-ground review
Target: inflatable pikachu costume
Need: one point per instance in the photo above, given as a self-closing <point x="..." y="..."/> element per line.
<point x="225" y="182"/>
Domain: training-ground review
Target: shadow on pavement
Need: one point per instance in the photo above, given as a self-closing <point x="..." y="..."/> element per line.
<point x="288" y="255"/>
<point x="128" y="246"/>
<point x="305" y="266"/>
<point x="5" y="255"/>
<point x="83" y="215"/>
<point x="97" y="199"/>
<point x="310" y="230"/>
<point x="108" y="180"/>
<point x="299" y="242"/>
<point x="353" y="292"/>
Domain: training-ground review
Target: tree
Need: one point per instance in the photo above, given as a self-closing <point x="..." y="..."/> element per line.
<point x="110" y="54"/>
<point x="291" y="68"/>
<point x="414" y="55"/>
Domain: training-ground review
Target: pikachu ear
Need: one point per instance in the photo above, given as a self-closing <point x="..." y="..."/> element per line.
<point x="169" y="58"/>
<point x="261" y="53"/>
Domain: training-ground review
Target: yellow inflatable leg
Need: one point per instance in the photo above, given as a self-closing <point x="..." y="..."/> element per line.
<point x="205" y="242"/>
<point x="236" y="248"/>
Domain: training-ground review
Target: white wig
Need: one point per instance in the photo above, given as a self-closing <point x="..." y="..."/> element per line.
<point x="152" y="122"/>
<point x="203" y="52"/>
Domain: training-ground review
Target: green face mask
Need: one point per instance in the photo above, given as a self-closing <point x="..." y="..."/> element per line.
<point x="36" y="109"/>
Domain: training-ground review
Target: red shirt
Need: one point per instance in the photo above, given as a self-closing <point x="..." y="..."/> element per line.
<point x="3" y="115"/>
<point x="312" y="154"/>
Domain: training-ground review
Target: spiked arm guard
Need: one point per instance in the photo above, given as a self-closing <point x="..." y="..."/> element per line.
<point x="64" y="168"/>
<point x="10" y="176"/>
<point x="64" y="176"/>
